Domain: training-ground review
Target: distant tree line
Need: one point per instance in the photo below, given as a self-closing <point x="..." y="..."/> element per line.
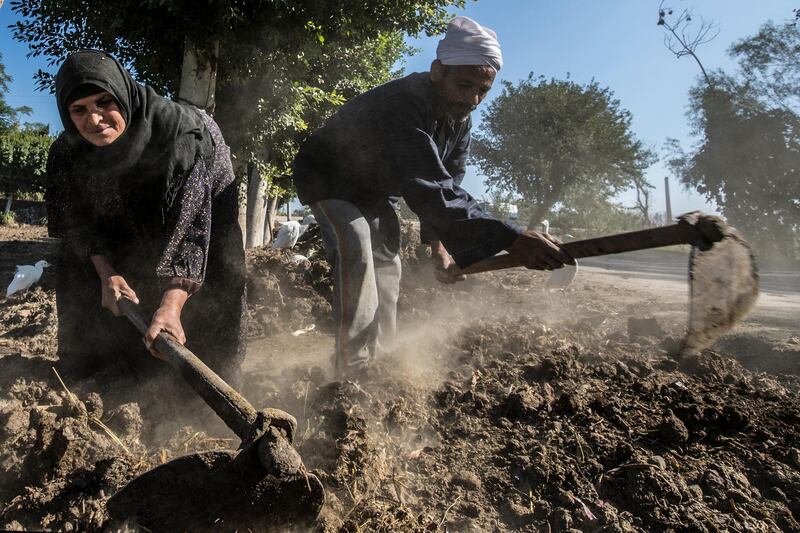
<point x="23" y="151"/>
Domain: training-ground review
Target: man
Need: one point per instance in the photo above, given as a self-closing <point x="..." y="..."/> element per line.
<point x="409" y="137"/>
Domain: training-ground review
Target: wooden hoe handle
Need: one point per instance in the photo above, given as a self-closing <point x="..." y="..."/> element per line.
<point x="230" y="406"/>
<point x="701" y="231"/>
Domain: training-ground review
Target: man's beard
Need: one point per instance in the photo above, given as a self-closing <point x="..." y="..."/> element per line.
<point x="459" y="113"/>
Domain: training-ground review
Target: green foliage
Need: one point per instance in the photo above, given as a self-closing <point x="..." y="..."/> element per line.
<point x="770" y="65"/>
<point x="23" y="157"/>
<point x="551" y="141"/>
<point x="748" y="157"/>
<point x="586" y="215"/>
<point x="23" y="149"/>
<point x="7" y="219"/>
<point x="283" y="67"/>
<point x="148" y="35"/>
<point x="266" y="115"/>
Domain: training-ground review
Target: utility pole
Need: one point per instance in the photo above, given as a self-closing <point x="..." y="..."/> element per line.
<point x="669" y="205"/>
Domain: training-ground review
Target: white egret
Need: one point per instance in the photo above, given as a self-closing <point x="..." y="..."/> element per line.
<point x="25" y="276"/>
<point x="306" y="222"/>
<point x="287" y="235"/>
<point x="290" y="231"/>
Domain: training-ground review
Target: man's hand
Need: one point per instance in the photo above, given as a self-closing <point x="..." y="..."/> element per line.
<point x="443" y="265"/>
<point x="538" y="251"/>
<point x="167" y="318"/>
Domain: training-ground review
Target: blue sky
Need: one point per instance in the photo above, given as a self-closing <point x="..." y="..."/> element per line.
<point x="615" y="42"/>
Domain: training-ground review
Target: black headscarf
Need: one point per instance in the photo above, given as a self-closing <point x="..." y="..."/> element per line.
<point x="162" y="139"/>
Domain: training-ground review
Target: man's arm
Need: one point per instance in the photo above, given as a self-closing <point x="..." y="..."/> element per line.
<point x="456" y="166"/>
<point x="468" y="234"/>
<point x="455" y="217"/>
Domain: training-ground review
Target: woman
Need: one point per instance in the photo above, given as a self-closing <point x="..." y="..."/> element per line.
<point x="141" y="193"/>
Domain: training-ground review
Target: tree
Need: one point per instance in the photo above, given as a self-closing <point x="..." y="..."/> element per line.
<point x="236" y="50"/>
<point x="748" y="155"/>
<point x="295" y="97"/>
<point x="23" y="157"/>
<point x="9" y="116"/>
<point x="547" y="141"/>
<point x="151" y="37"/>
<point x="770" y="66"/>
<point x="23" y="148"/>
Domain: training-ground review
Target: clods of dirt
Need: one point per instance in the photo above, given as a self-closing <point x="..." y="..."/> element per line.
<point x="28" y="323"/>
<point x="58" y="460"/>
<point x="63" y="455"/>
<point x="530" y="432"/>
<point x="284" y="295"/>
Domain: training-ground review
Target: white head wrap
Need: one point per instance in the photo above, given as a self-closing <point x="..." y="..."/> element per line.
<point x="469" y="43"/>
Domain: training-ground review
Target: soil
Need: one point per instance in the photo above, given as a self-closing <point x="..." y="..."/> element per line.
<point x="502" y="409"/>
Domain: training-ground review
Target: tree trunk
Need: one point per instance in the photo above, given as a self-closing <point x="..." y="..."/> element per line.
<point x="199" y="74"/>
<point x="256" y="208"/>
<point x="535" y="222"/>
<point x="242" y="196"/>
<point x="547" y="199"/>
<point x="269" y="222"/>
<point x="10" y="195"/>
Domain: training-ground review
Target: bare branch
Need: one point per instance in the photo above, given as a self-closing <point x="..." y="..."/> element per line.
<point x="643" y="197"/>
<point x="682" y="39"/>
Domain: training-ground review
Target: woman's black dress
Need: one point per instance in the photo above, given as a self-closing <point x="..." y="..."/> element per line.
<point x="152" y="232"/>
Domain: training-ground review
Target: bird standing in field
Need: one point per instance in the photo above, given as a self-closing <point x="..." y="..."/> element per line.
<point x="290" y="231"/>
<point x="560" y="278"/>
<point x="287" y="235"/>
<point x="26" y="276"/>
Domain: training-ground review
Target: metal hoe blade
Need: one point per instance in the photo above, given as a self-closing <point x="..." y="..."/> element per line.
<point x="220" y="491"/>
<point x="723" y="289"/>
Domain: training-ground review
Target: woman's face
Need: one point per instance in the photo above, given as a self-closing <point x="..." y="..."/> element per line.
<point x="97" y="118"/>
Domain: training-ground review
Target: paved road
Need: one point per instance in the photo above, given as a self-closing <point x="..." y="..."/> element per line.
<point x="669" y="265"/>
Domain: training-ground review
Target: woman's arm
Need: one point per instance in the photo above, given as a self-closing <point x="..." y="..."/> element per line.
<point x="181" y="267"/>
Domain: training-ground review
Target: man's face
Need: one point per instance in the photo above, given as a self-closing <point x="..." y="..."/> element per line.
<point x="97" y="118"/>
<point x="460" y="88"/>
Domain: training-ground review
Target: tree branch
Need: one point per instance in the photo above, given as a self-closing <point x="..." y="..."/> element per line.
<point x="689" y="43"/>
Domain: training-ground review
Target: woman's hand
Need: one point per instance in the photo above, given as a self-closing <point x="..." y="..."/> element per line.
<point x="443" y="265"/>
<point x="113" y="288"/>
<point x="112" y="285"/>
<point x="167" y="318"/>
